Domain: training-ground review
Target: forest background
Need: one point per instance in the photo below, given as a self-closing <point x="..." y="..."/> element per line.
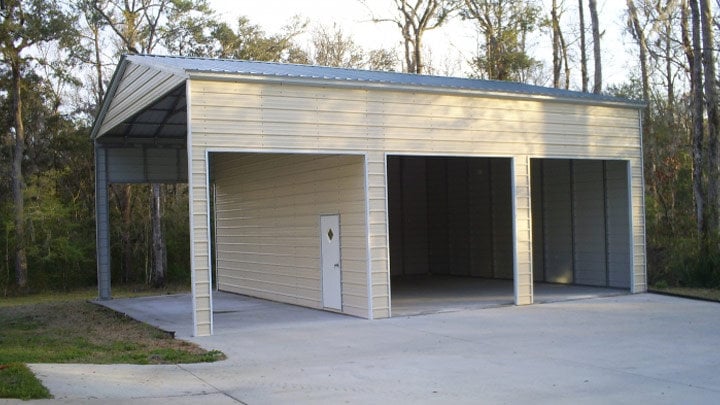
<point x="57" y="58"/>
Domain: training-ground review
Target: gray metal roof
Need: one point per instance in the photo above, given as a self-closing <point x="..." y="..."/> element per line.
<point x="189" y="65"/>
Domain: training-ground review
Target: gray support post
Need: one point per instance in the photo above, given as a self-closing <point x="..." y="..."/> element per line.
<point x="102" y="223"/>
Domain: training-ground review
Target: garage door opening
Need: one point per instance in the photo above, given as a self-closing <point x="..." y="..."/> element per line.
<point x="581" y="225"/>
<point x="451" y="231"/>
<point x="270" y="233"/>
<point x="451" y="238"/>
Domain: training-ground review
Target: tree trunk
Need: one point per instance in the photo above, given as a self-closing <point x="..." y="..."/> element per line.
<point x="583" y="47"/>
<point x="98" y="69"/>
<point x="564" y="49"/>
<point x="556" y="50"/>
<point x="125" y="235"/>
<point x="407" y="42"/>
<point x="597" y="86"/>
<point x="640" y="37"/>
<point x="669" y="70"/>
<point x="159" y="250"/>
<point x="692" y="52"/>
<point x="21" y="269"/>
<point x="712" y="209"/>
<point x="419" y="66"/>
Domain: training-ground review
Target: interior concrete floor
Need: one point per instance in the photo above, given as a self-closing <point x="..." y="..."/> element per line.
<point x="420" y="295"/>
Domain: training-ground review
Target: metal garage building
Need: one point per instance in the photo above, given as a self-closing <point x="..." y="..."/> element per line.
<point x="325" y="182"/>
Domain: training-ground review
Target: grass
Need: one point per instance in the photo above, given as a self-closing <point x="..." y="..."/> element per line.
<point x="711" y="294"/>
<point x="14" y="298"/>
<point x="17" y="381"/>
<point x="64" y="328"/>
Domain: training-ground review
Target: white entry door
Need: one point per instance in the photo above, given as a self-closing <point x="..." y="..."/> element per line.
<point x="330" y="261"/>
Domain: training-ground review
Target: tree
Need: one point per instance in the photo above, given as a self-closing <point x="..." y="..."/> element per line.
<point x="250" y="42"/>
<point x="594" y="22"/>
<point x="24" y="25"/>
<point x="414" y="19"/>
<point x="188" y="31"/>
<point x="137" y="25"/>
<point x="382" y="59"/>
<point x="713" y="124"/>
<point x="159" y="247"/>
<point x="691" y="44"/>
<point x="583" y="47"/>
<point x="560" y="49"/>
<point x="639" y="35"/>
<point x="333" y="48"/>
<point x="504" y="25"/>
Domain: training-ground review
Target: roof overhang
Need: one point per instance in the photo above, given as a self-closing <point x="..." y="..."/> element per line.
<point x="147" y="110"/>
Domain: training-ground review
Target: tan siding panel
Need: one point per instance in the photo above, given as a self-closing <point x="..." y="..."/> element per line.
<point x="305" y="118"/>
<point x="340" y="119"/>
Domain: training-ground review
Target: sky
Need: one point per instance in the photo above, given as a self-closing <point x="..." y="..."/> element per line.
<point x="451" y="45"/>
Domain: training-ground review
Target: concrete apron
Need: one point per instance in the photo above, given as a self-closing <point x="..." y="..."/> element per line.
<point x="622" y="349"/>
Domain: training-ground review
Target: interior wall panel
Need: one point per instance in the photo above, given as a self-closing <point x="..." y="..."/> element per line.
<point x="502" y="218"/>
<point x="480" y="218"/>
<point x="618" y="224"/>
<point x="589" y="222"/>
<point x="468" y="217"/>
<point x="557" y="218"/>
<point x="437" y="215"/>
<point x="458" y="224"/>
<point x="414" y="216"/>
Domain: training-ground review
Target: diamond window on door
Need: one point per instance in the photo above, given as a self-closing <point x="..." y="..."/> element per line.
<point x="330" y="234"/>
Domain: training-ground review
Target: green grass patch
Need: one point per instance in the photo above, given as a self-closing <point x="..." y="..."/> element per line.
<point x="14" y="298"/>
<point x="80" y="332"/>
<point x="712" y="294"/>
<point x="17" y="381"/>
<point x="65" y="328"/>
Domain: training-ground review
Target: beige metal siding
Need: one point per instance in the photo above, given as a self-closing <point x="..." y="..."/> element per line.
<point x="282" y="117"/>
<point x="268" y="209"/>
<point x="637" y="209"/>
<point x="377" y="235"/>
<point x="200" y="241"/>
<point x="139" y="87"/>
<point x="523" y="231"/>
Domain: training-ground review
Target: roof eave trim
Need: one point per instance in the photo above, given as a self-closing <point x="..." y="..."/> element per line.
<point x="142" y="60"/>
<point x="258" y="78"/>
<point x="109" y="95"/>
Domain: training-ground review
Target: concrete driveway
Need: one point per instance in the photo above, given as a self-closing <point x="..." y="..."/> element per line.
<point x="624" y="349"/>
